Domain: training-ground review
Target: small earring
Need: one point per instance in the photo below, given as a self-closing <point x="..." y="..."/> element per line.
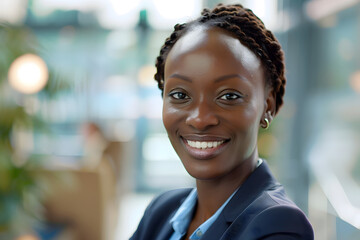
<point x="267" y="123"/>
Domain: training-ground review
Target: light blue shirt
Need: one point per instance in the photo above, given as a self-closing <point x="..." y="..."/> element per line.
<point x="182" y="218"/>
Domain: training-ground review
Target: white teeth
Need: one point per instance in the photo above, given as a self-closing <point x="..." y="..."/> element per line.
<point x="204" y="145"/>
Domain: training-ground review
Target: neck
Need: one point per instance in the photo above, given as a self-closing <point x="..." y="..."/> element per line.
<point x="213" y="193"/>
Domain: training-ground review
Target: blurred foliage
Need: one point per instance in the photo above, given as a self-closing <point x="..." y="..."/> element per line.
<point x="20" y="191"/>
<point x="16" y="41"/>
<point x="56" y="84"/>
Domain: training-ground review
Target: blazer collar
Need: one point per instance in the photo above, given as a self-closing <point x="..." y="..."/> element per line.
<point x="259" y="181"/>
<point x="167" y="230"/>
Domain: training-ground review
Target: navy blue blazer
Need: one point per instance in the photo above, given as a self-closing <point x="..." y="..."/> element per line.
<point x="260" y="209"/>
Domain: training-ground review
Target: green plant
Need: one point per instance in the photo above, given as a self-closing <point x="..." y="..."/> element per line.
<point x="20" y="187"/>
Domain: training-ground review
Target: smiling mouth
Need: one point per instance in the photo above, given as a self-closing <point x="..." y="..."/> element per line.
<point x="204" y="144"/>
<point x="205" y="148"/>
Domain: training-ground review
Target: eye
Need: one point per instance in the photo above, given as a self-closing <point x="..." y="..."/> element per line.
<point x="230" y="96"/>
<point x="179" y="95"/>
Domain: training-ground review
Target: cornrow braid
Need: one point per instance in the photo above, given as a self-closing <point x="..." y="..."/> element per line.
<point x="249" y="29"/>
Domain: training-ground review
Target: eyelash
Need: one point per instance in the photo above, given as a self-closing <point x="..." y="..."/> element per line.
<point x="231" y="95"/>
<point x="174" y="94"/>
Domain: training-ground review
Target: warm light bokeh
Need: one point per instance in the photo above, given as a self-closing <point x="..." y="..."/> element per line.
<point x="28" y="74"/>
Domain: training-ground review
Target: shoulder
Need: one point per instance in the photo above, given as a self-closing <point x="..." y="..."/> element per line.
<point x="283" y="219"/>
<point x="166" y="203"/>
<point x="159" y="212"/>
<point x="169" y="200"/>
<point x="262" y="210"/>
<point x="279" y="217"/>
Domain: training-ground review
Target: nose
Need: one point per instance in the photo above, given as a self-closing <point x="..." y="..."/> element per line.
<point x="202" y="116"/>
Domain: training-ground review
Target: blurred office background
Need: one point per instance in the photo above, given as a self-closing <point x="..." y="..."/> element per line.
<point x="82" y="145"/>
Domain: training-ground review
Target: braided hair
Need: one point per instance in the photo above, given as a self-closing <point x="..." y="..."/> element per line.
<point x="249" y="29"/>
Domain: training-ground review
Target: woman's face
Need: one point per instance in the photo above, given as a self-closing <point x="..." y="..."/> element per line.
<point x="214" y="99"/>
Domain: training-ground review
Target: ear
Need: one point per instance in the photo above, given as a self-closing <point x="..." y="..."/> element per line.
<point x="269" y="107"/>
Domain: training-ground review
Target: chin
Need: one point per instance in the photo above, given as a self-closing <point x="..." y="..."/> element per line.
<point x="205" y="172"/>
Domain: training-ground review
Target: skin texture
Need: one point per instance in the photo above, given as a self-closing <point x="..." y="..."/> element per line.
<point x="215" y="90"/>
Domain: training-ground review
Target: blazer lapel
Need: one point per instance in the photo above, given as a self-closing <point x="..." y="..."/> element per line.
<point x="259" y="181"/>
<point x="165" y="232"/>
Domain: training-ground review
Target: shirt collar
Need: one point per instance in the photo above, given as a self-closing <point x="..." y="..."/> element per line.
<point x="199" y="232"/>
<point x="181" y="220"/>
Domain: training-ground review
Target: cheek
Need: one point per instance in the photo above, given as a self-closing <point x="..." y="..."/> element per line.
<point x="252" y="117"/>
<point x="247" y="126"/>
<point x="246" y="119"/>
<point x="255" y="110"/>
<point x="252" y="124"/>
<point x="170" y="116"/>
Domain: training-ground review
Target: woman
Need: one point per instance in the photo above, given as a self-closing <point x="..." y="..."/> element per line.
<point x="222" y="78"/>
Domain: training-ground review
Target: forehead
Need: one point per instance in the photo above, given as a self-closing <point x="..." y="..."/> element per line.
<point x="203" y="49"/>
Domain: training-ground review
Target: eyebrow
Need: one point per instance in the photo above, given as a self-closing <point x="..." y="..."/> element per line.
<point x="222" y="78"/>
<point x="175" y="75"/>
<point x="219" y="79"/>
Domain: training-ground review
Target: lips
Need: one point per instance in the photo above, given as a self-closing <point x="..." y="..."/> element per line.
<point x="204" y="147"/>
<point x="204" y="144"/>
